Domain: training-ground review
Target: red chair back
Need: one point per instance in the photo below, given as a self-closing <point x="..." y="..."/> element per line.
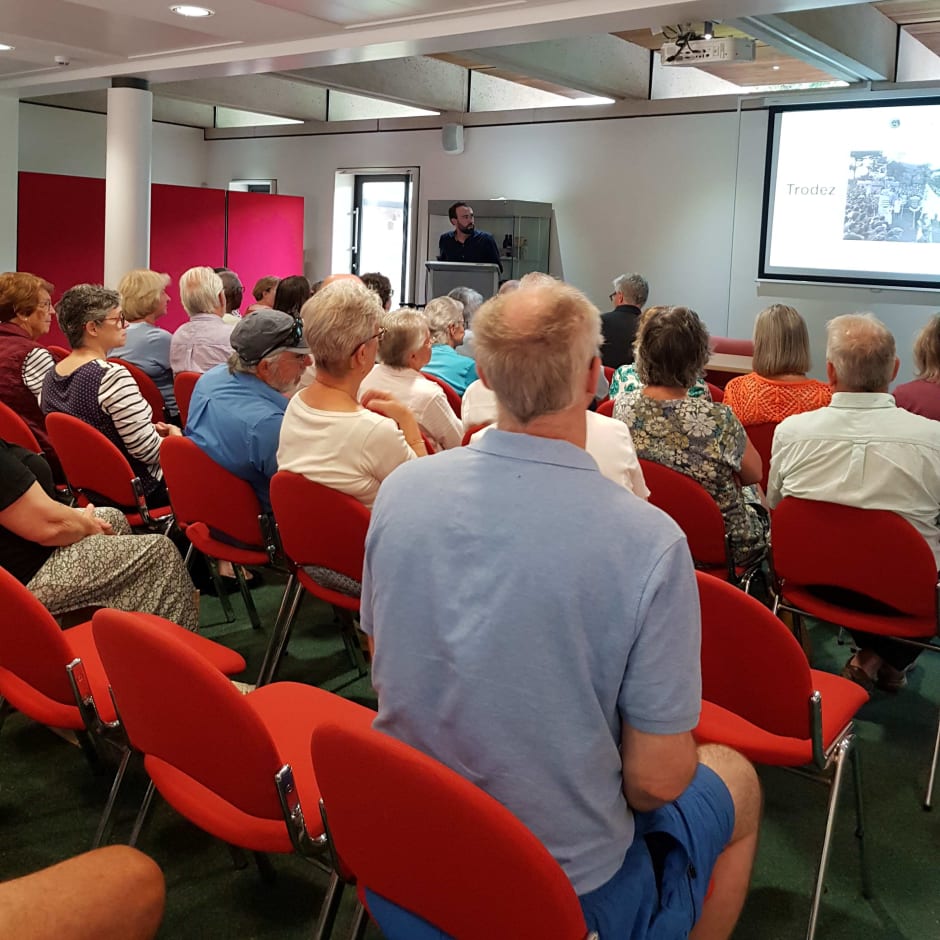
<point x="606" y="407"/>
<point x="435" y="844"/>
<point x="14" y="430"/>
<point x="693" y="508"/>
<point x="148" y="388"/>
<point x="752" y="664"/>
<point x="183" y="385"/>
<point x="92" y="464"/>
<point x="470" y="432"/>
<point x="762" y="437"/>
<point x="202" y="491"/>
<point x="59" y="352"/>
<point x="608" y="373"/>
<point x="318" y="525"/>
<point x="871" y="552"/>
<point x="33" y="650"/>
<point x="732" y="347"/>
<point x="453" y="399"/>
<point x="717" y="393"/>
<point x="177" y="707"/>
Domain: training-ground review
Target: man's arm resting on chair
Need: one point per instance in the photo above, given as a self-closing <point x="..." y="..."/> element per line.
<point x="656" y="767"/>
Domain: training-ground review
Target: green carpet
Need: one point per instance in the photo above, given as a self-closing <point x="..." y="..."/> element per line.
<point x="50" y="803"/>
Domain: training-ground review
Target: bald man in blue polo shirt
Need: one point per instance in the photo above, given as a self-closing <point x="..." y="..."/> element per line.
<point x="536" y="628"/>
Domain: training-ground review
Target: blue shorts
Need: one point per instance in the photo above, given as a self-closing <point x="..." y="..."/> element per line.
<point x="659" y="890"/>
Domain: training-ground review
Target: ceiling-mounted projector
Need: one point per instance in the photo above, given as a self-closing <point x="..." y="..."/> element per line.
<point x="708" y="52"/>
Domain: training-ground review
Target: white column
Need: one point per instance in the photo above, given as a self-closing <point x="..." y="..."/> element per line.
<point x="127" y="178"/>
<point x="9" y="171"/>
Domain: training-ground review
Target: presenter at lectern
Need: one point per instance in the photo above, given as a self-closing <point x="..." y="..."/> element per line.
<point x="465" y="243"/>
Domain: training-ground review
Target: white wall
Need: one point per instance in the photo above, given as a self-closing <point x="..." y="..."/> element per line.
<point x="72" y="143"/>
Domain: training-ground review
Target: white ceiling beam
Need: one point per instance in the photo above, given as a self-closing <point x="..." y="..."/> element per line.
<point x="263" y="94"/>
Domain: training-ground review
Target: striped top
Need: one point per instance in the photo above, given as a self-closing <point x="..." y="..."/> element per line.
<point x="35" y="366"/>
<point x="105" y="395"/>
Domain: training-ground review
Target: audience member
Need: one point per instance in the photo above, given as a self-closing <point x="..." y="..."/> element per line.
<point x="863" y="451"/>
<point x="326" y="434"/>
<point x="203" y="342"/>
<point x="114" y="893"/>
<point x="922" y="396"/>
<point x="264" y="290"/>
<point x="26" y="313"/>
<point x="101" y="393"/>
<point x="382" y="287"/>
<point x="234" y="292"/>
<point x="778" y="386"/>
<point x="697" y="437"/>
<point x="619" y="325"/>
<point x="144" y="301"/>
<point x="625" y="378"/>
<point x="445" y="318"/>
<point x="507" y="287"/>
<point x="471" y="300"/>
<point x="291" y="294"/>
<point x="236" y="410"/>
<point x="584" y="657"/>
<point x="74" y="558"/>
<point x="405" y="349"/>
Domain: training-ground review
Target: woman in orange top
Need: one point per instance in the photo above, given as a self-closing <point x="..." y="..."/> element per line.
<point x="778" y="386"/>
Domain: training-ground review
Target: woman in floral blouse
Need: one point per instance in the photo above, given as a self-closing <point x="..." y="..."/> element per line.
<point x="694" y="436"/>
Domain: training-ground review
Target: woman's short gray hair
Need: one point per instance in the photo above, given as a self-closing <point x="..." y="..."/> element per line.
<point x="443" y="313"/>
<point x="405" y="331"/>
<point x="199" y="290"/>
<point x="81" y="304"/>
<point x="338" y="319"/>
<point x="861" y="350"/>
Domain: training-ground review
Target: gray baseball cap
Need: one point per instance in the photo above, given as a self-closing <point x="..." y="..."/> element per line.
<point x="265" y="332"/>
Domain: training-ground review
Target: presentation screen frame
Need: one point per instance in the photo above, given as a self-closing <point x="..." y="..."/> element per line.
<point x="904" y="264"/>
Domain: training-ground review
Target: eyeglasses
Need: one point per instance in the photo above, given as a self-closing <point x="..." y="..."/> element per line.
<point x="44" y="305"/>
<point x="381" y="333"/>
<point x="120" y="319"/>
<point x="614" y="294"/>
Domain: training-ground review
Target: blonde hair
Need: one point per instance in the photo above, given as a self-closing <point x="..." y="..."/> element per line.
<point x="140" y="292"/>
<point x="338" y="319"/>
<point x="781" y="342"/>
<point x="535" y="345"/>
<point x="927" y="351"/>
<point x="404" y="333"/>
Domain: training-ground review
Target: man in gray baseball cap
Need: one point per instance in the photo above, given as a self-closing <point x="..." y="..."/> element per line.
<point x="236" y="410"/>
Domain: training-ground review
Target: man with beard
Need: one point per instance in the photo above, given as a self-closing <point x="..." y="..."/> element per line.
<point x="237" y="408"/>
<point x="465" y="243"/>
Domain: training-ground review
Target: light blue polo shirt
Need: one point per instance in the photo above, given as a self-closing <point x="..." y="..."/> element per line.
<point x="522" y="605"/>
<point x="456" y="370"/>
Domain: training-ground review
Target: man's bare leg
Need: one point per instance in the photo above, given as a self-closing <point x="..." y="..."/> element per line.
<point x="732" y="872"/>
<point x="114" y="893"/>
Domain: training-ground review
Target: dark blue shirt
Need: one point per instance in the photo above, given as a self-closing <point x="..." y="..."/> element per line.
<point x="479" y="248"/>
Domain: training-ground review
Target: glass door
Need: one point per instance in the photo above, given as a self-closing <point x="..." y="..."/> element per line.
<point x="381" y="229"/>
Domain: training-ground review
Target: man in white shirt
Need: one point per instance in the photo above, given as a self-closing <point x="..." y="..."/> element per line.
<point x="863" y="451"/>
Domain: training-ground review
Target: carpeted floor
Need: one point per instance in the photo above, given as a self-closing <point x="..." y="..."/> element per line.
<point x="50" y="803"/>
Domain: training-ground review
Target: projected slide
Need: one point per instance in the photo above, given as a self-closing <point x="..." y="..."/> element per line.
<point x="853" y="195"/>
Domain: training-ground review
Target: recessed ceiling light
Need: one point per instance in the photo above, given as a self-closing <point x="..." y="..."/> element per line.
<point x="776" y="68"/>
<point x="5" y="48"/>
<point x="185" y="9"/>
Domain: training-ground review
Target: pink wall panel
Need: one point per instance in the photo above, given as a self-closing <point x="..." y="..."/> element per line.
<point x="187" y="228"/>
<point x="60" y="233"/>
<point x="265" y="237"/>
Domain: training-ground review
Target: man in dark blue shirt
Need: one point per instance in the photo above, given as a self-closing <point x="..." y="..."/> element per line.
<point x="465" y="243"/>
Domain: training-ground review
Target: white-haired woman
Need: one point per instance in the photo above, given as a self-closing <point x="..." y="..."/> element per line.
<point x="405" y="349"/>
<point x="205" y="341"/>
<point x="144" y="301"/>
<point x="327" y="435"/>
<point x="445" y="319"/>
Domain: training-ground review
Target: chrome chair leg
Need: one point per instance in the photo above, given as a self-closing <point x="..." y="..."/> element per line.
<point x="854" y="756"/>
<point x="360" y="923"/>
<point x="281" y="633"/>
<point x="928" y="796"/>
<point x="5" y="709"/>
<point x="246" y="597"/>
<point x="104" y="826"/>
<point x="220" y="588"/>
<point x="142" y="814"/>
<point x="330" y="907"/>
<point x="835" y="786"/>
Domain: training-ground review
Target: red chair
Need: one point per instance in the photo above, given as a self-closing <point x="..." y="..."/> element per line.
<point x="220" y="515"/>
<point x="148" y="388"/>
<point x="453" y="399"/>
<point x="183" y="385"/>
<point x="14" y="430"/>
<point x="319" y="527"/>
<point x="717" y="393"/>
<point x="606" y="407"/>
<point x="866" y="569"/>
<point x="608" y="373"/>
<point x="730" y="347"/>
<point x="761" y="698"/>
<point x="96" y="469"/>
<point x="699" y="517"/>
<point x="470" y="432"/>
<point x="762" y="437"/>
<point x="430" y="837"/>
<point x="238" y="766"/>
<point x="56" y="677"/>
<point x="59" y="352"/>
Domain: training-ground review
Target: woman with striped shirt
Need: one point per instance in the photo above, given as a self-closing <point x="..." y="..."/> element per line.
<point x="101" y="393"/>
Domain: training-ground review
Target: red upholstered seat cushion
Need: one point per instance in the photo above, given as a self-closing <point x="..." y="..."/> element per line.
<point x="840" y="700"/>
